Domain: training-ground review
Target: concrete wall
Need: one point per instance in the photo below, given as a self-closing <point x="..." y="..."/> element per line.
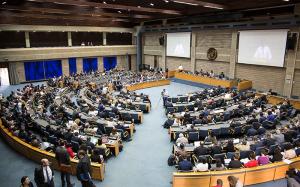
<point x="285" y="80"/>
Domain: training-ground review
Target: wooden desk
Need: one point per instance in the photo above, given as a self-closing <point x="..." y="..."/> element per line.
<point x="150" y="84"/>
<point x="205" y="80"/>
<point x="247" y="176"/>
<point x="244" y="85"/>
<point x="274" y="100"/>
<point x="114" y="147"/>
<point x="37" y="154"/>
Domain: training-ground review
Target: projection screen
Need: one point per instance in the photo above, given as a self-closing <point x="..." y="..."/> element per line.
<point x="262" y="47"/>
<point x="179" y="44"/>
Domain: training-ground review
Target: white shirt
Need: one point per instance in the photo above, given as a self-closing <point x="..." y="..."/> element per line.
<point x="45" y="173"/>
<point x="201" y="167"/>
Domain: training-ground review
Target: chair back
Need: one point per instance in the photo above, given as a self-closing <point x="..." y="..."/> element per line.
<point x="193" y="136"/>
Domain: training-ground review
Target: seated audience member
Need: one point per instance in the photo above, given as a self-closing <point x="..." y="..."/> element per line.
<point x="89" y="143"/>
<point x="45" y="145"/>
<point x="216" y="149"/>
<point x="181" y="152"/>
<point x="262" y="118"/>
<point x="210" y="139"/>
<point x="200" y="150"/>
<point x="96" y="156"/>
<point x="219" y="183"/>
<point x="182" y="139"/>
<point x="185" y="165"/>
<point x="277" y="156"/>
<point x="297" y="147"/>
<point x="229" y="147"/>
<point x="264" y="158"/>
<point x="99" y="144"/>
<point x="70" y="150"/>
<point x="278" y="137"/>
<point x="235" y="163"/>
<point x="202" y="165"/>
<point x="234" y="181"/>
<point x="25" y="182"/>
<point x="271" y="117"/>
<point x="251" y="132"/>
<point x="289" y="152"/>
<point x="218" y="166"/>
<point x="252" y="161"/>
<point x="244" y="146"/>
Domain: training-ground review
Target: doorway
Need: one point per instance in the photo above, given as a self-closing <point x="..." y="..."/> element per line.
<point x="4" y="77"/>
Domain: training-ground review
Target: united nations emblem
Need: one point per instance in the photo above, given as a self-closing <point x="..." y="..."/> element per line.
<point x="212" y="54"/>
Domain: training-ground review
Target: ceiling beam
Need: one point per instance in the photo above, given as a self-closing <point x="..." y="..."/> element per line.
<point x="56" y="28"/>
<point x="109" y="6"/>
<point x="78" y="13"/>
<point x="60" y="10"/>
<point x="58" y="17"/>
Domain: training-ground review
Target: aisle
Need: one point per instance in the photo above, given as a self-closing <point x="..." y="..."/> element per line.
<point x="144" y="161"/>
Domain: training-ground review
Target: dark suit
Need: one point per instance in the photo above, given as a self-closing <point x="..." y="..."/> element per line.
<point x="235" y="164"/>
<point x="40" y="179"/>
<point x="200" y="151"/>
<point x="63" y="157"/>
<point x="83" y="171"/>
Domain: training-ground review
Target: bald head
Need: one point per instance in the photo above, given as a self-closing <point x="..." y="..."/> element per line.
<point x="45" y="162"/>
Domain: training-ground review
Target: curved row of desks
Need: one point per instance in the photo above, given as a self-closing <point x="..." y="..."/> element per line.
<point x="37" y="154"/>
<point x="247" y="176"/>
<point x="243" y="85"/>
<point x="274" y="100"/>
<point x="148" y="85"/>
<point x="205" y="80"/>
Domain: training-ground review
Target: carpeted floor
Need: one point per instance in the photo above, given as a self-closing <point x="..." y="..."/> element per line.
<point x="142" y="163"/>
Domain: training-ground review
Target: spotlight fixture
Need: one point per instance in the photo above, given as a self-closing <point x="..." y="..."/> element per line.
<point x="151" y="4"/>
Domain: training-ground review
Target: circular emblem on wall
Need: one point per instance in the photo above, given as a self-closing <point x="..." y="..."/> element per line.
<point x="212" y="54"/>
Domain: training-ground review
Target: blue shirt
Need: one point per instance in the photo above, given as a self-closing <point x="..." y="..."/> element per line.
<point x="271" y="117"/>
<point x="185" y="165"/>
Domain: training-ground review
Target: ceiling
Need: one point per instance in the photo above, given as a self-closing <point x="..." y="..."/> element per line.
<point x="128" y="13"/>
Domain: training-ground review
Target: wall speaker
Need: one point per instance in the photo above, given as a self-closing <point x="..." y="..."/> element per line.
<point x="161" y="40"/>
<point x="291" y="41"/>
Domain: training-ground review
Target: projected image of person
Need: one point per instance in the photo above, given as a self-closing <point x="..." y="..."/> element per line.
<point x="179" y="50"/>
<point x="263" y="53"/>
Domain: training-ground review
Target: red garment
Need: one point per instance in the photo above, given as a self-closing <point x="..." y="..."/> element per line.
<point x="251" y="163"/>
<point x="70" y="151"/>
<point x="217" y="186"/>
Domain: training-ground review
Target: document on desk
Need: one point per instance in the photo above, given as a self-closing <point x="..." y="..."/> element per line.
<point x="287" y="161"/>
<point x="197" y="143"/>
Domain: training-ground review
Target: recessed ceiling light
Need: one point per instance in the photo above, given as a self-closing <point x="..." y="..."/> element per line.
<point x="151" y="4"/>
<point x="286" y="0"/>
<point x="3" y="3"/>
<point x="119" y="11"/>
<point x="104" y="2"/>
<point x="166" y="1"/>
<point x="139" y="6"/>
